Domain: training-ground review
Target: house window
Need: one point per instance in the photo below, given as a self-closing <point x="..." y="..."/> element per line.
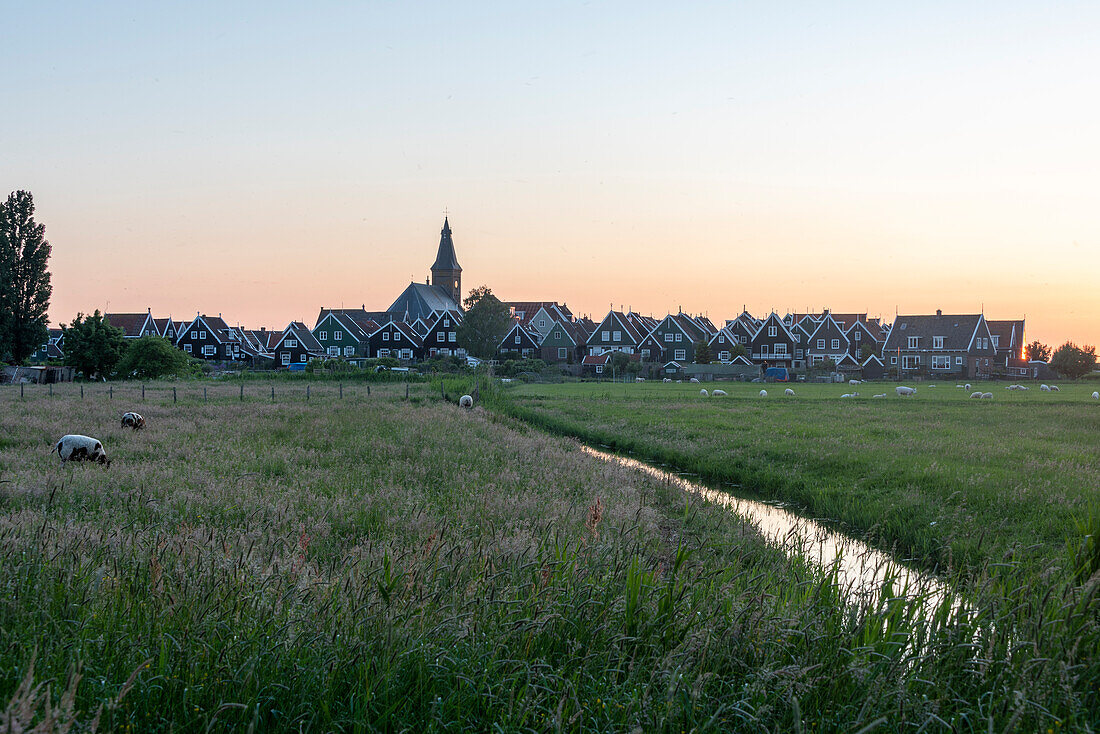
<point x="618" y="336"/>
<point x="763" y="348"/>
<point x="836" y="344"/>
<point x="996" y="340"/>
<point x="680" y="354"/>
<point x="606" y="336"/>
<point x="668" y="337"/>
<point x="542" y="323"/>
<point x="202" y="335"/>
<point x="910" y="361"/>
<point x="798" y="353"/>
<point x="291" y="343"/>
<point x="893" y="360"/>
<point x="338" y="335"/>
<point x="937" y="342"/>
<point x="557" y="335"/>
<point x="324" y="336"/>
<point x="859" y="335"/>
<point x="958" y="360"/>
<point x="194" y="335"/>
<point x="383" y="352"/>
<point x="187" y="348"/>
<point x="914" y="341"/>
<point x="385" y="336"/>
<point x="285" y="357"/>
<point x="721" y="339"/>
<point x="723" y="356"/>
<point x="941" y="363"/>
<point x="451" y="336"/>
<point x="781" y="350"/>
<point x="773" y="330"/>
<point x="209" y="350"/>
<point x="348" y="351"/>
<point x="820" y="343"/>
<point x="517" y="338"/>
<point x="406" y="354"/>
<point x="679" y="337"/>
<point x="645" y="354"/>
<point x="562" y="352"/>
<point x="334" y="351"/>
<point x="599" y="369"/>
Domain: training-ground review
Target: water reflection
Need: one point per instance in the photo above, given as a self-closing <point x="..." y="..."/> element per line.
<point x="862" y="572"/>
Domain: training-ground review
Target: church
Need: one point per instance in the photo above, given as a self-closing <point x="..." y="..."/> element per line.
<point x="443" y="293"/>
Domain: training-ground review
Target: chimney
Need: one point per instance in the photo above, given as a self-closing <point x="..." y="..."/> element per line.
<point x="939" y="312"/>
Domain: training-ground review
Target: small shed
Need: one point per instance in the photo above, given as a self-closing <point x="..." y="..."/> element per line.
<point x="873" y="368"/>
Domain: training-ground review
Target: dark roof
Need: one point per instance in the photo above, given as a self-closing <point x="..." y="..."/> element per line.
<point x="130" y="323"/>
<point x="957" y="331"/>
<point x="304" y="335"/>
<point x="1009" y="333"/>
<point x="445" y="258"/>
<point x="358" y="315"/>
<point x="420" y="301"/>
<point x="596" y="358"/>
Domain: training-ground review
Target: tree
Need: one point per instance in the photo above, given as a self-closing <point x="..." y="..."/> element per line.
<point x="738" y="350"/>
<point x="702" y="353"/>
<point x="1072" y="361"/>
<point x="24" y="280"/>
<point x="486" y="322"/>
<point x="1036" y="350"/>
<point x="151" y="357"/>
<point x="92" y="345"/>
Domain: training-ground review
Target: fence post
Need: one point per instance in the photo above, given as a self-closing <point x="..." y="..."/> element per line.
<point x="51" y="388"/>
<point x="20" y="389"/>
<point x="307" y="393"/>
<point x="204" y="394"/>
<point x="242" y="392"/>
<point x="143" y="392"/>
<point x="442" y="392"/>
<point x="368" y="390"/>
<point x="341" y="391"/>
<point x="173" y="394"/>
<point x="111" y="392"/>
<point x="82" y="391"/>
<point x="406" y="391"/>
<point x="273" y="393"/>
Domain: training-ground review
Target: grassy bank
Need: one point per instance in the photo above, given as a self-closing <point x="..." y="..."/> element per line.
<point x="372" y="563"/>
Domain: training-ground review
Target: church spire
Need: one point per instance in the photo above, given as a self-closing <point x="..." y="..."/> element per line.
<point x="446" y="272"/>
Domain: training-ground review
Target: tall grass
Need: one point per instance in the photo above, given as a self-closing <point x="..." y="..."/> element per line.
<point x="377" y="564"/>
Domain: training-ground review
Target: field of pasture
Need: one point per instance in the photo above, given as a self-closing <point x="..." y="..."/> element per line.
<point x="944" y="479"/>
<point x="348" y="561"/>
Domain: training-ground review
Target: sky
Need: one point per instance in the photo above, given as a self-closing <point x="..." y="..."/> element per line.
<point x="262" y="160"/>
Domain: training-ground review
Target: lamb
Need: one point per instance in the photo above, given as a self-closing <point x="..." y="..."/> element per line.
<point x="1096" y="395"/>
<point x="966" y="387"/>
<point x="74" y="447"/>
<point x="667" y="379"/>
<point x="466" y="401"/>
<point x="959" y="386"/>
<point x="853" y="382"/>
<point x="931" y="386"/>
<point x="976" y="395"/>
<point x="987" y="396"/>
<point x="848" y="395"/>
<point x="789" y="391"/>
<point x="133" y="420"/>
<point x="719" y="393"/>
<point x="1054" y="388"/>
<point x="694" y="379"/>
<point x="763" y="393"/>
<point x="879" y="396"/>
<point x="1044" y="388"/>
<point x="903" y="391"/>
<point x="639" y="379"/>
<point x="704" y="392"/>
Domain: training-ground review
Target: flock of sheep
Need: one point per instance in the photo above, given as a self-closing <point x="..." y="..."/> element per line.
<point x="76" y="447"/>
<point x="901" y="390"/>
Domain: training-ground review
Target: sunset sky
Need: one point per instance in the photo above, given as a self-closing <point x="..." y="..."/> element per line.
<point x="262" y="160"/>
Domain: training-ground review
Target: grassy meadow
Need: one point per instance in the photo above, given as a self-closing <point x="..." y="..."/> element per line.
<point x="377" y="563"/>
<point x="946" y="480"/>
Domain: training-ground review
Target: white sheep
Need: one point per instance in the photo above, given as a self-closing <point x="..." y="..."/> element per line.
<point x="694" y="379"/>
<point x="987" y="396"/>
<point x="667" y="379"/>
<point x="704" y="392"/>
<point x="850" y="395"/>
<point x="763" y="393"/>
<point x="466" y="401"/>
<point x="74" y="447"/>
<point x="976" y="395"/>
<point x="853" y="382"/>
<point x="904" y="391"/>
<point x="719" y="393"/>
<point x="639" y="379"/>
<point x="1044" y="388"/>
<point x="1054" y="388"/>
<point x="789" y="391"/>
<point x="931" y="386"/>
<point x="133" y="420"/>
<point x="966" y="386"/>
<point x="882" y="395"/>
<point x="959" y="386"/>
<point x="1096" y="395"/>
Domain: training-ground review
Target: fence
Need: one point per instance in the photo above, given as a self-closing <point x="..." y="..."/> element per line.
<point x="129" y="395"/>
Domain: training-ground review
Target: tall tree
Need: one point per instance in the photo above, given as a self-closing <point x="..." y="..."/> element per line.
<point x="702" y="353"/>
<point x="1072" y="361"/>
<point x="486" y="322"/>
<point x="92" y="345"/>
<point x="1038" y="350"/>
<point x="150" y="357"/>
<point x="24" y="280"/>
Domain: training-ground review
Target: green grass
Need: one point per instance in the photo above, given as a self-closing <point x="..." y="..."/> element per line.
<point x="373" y="563"/>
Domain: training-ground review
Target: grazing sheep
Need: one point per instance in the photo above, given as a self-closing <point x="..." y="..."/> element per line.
<point x="133" y="420"/>
<point x="959" y="386"/>
<point x="1096" y="395"/>
<point x="1044" y="388"/>
<point x="976" y="395"/>
<point x="719" y="393"/>
<point x="75" y="447"/>
<point x="853" y="382"/>
<point x="931" y="386"/>
<point x="763" y="393"/>
<point x="987" y="396"/>
<point x="639" y="379"/>
<point x="667" y="379"/>
<point x="966" y="386"/>
<point x="1054" y="388"/>
<point x="466" y="401"/>
<point x="846" y="395"/>
<point x="904" y="391"/>
<point x="879" y="396"/>
<point x="703" y="392"/>
<point x="694" y="379"/>
<point x="789" y="391"/>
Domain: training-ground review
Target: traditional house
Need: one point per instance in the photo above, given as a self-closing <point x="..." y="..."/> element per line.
<point x="342" y="336"/>
<point x="441" y="337"/>
<point x="209" y="338"/>
<point x="539" y="315"/>
<point x="1008" y="340"/>
<point x="723" y="344"/>
<point x="614" y="334"/>
<point x="296" y="345"/>
<point x="51" y="348"/>
<point x="397" y="339"/>
<point x="595" y="365"/>
<point x="827" y="342"/>
<point x="519" y="343"/>
<point x="773" y="344"/>
<point x="133" y="325"/>
<point x="677" y="336"/>
<point x="944" y="344"/>
<point x="863" y="340"/>
<point x="873" y="368"/>
<point x="564" y="342"/>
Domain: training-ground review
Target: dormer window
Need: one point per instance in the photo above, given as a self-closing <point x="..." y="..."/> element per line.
<point x="937" y="342"/>
<point x="913" y="342"/>
<point x="773" y="330"/>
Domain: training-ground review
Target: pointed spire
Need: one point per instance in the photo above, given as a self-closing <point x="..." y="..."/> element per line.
<point x="445" y="258"/>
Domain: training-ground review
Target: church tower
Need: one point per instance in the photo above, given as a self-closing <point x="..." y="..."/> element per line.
<point x="446" y="272"/>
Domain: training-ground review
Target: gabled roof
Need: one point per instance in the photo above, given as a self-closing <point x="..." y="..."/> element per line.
<point x="726" y="333"/>
<point x="420" y="301"/>
<point x="530" y="335"/>
<point x="406" y="330"/>
<point x="530" y="309"/>
<point x="204" y="322"/>
<point x="445" y="257"/>
<point x="847" y="361"/>
<point x="616" y="318"/>
<point x="824" y="326"/>
<point x="864" y="328"/>
<point x="596" y="358"/>
<point x="875" y="358"/>
<point x="130" y="323"/>
<point x="957" y="330"/>
<point x="301" y="332"/>
<point x="358" y="315"/>
<point x="741" y="359"/>
<point x="773" y="317"/>
<point x="1010" y="334"/>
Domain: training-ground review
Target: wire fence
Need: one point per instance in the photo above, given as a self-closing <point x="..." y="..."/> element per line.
<point x="132" y="393"/>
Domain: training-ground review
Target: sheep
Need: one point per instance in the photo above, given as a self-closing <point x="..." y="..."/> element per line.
<point x="1044" y="388"/>
<point x="1096" y="395"/>
<point x="704" y="392"/>
<point x="694" y="379"/>
<point x="719" y="393"/>
<point x="853" y="382"/>
<point x="639" y="379"/>
<point x="763" y="393"/>
<point x="967" y="387"/>
<point x="133" y="420"/>
<point x="976" y="395"/>
<point x="959" y="386"/>
<point x="882" y="395"/>
<point x="1054" y="388"/>
<point x="466" y="401"/>
<point x="904" y="391"/>
<point x="789" y="391"/>
<point x="667" y="379"/>
<point x="931" y="386"/>
<point x="847" y="395"/>
<point x="74" y="447"/>
<point x="987" y="396"/>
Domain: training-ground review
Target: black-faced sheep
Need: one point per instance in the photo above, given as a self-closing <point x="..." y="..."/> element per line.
<point x="133" y="420"/>
<point x="466" y="401"/>
<point x="75" y="447"/>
